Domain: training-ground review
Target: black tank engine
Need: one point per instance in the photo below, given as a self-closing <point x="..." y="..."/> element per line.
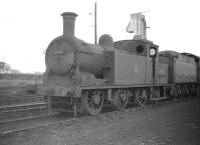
<point x="83" y="75"/>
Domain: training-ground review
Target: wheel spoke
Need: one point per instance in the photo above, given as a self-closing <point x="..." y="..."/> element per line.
<point x="93" y="101"/>
<point x="120" y="99"/>
<point x="90" y="103"/>
<point x="141" y="97"/>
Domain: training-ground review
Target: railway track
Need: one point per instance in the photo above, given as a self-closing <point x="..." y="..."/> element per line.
<point x="12" y="90"/>
<point x="30" y="124"/>
<point x="16" y="104"/>
<point x="49" y="121"/>
<point x="15" y="112"/>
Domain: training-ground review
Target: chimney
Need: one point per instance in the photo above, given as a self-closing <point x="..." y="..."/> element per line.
<point x="69" y="23"/>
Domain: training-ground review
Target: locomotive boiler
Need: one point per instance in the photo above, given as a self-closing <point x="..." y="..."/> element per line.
<point x="85" y="76"/>
<point x="66" y="52"/>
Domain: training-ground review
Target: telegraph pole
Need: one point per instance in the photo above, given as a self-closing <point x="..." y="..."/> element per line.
<point x="95" y="23"/>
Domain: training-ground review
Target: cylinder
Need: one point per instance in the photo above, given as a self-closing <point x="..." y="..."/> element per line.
<point x="69" y="23"/>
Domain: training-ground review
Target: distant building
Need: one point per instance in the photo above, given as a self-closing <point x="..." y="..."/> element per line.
<point x="4" y="70"/>
<point x="15" y="71"/>
<point x="2" y="66"/>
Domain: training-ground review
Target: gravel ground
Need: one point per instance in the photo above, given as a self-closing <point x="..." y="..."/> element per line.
<point x="169" y="123"/>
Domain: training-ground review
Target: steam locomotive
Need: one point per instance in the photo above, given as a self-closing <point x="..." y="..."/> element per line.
<point x="127" y="71"/>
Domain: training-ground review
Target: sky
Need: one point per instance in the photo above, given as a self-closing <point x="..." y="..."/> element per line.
<point x="28" y="26"/>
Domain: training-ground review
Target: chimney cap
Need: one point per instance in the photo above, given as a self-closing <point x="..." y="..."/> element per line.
<point x="72" y="14"/>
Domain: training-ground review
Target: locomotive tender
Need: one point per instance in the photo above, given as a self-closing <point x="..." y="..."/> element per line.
<point x="88" y="76"/>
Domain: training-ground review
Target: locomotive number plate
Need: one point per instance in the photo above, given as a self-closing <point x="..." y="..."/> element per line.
<point x="58" y="52"/>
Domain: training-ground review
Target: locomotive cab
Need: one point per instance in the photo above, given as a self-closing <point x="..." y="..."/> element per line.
<point x="140" y="56"/>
